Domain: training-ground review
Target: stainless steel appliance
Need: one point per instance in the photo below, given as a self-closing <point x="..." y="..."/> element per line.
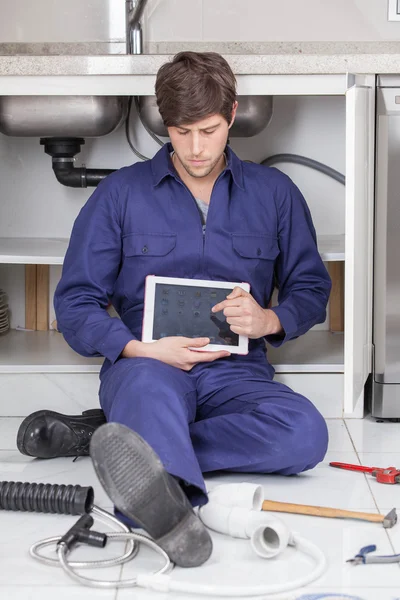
<point x="386" y="314"/>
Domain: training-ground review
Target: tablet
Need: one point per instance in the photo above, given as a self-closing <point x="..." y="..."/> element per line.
<point x="182" y="307"/>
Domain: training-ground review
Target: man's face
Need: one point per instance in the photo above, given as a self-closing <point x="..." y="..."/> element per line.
<point x="200" y="146"/>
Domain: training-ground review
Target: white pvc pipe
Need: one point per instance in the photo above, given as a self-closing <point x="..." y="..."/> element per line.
<point x="270" y="539"/>
<point x="269" y="536"/>
<point x="278" y="591"/>
<point x="246" y="495"/>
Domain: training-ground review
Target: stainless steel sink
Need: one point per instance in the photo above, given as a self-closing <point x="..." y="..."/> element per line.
<point x="95" y="116"/>
<point x="56" y="116"/>
<point x="253" y="115"/>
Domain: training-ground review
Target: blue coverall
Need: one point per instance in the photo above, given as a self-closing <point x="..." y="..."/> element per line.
<point x="224" y="415"/>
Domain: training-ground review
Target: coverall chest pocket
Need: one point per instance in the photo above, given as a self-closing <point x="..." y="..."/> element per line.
<point x="255" y="256"/>
<point x="146" y="254"/>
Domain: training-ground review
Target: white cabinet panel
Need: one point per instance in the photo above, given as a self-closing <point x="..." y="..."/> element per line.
<point x="358" y="255"/>
<point x="325" y="390"/>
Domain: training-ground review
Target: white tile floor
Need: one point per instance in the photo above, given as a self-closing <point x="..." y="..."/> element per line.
<point x="232" y="562"/>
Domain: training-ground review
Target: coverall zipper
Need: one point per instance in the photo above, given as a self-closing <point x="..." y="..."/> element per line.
<point x="203" y="227"/>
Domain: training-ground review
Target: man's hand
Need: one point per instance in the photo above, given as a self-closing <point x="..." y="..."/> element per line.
<point x="174" y="351"/>
<point x="246" y="317"/>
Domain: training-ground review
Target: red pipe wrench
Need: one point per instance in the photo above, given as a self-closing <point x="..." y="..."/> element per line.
<point x="388" y="475"/>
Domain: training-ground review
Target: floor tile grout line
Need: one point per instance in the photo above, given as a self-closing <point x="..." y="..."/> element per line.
<point x="121" y="575"/>
<point x="351" y="439"/>
<point x="379" y="511"/>
<point x="359" y="460"/>
<point x="365" y="474"/>
<point x="121" y="569"/>
<point x="368" y="481"/>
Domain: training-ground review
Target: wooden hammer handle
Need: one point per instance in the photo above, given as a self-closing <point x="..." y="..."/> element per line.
<point x="319" y="511"/>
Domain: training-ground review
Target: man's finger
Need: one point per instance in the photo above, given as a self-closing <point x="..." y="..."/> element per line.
<point x="197" y="342"/>
<point x="222" y="305"/>
<point x="210" y="356"/>
<point x="235" y="311"/>
<point x="238" y="321"/>
<point x="238" y="329"/>
<point x="236" y="292"/>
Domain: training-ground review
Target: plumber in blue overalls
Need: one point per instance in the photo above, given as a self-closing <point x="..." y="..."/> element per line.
<point x="197" y="211"/>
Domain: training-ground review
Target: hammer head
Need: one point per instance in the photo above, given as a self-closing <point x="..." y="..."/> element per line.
<point x="390" y="519"/>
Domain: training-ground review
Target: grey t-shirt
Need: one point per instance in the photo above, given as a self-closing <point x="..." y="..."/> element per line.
<point x="203" y="210"/>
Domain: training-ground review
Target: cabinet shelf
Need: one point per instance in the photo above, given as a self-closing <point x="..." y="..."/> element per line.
<point x="47" y="352"/>
<point x="331" y="247"/>
<point x="51" y="251"/>
<point x="42" y="352"/>
<point x="314" y="352"/>
<point x="36" y="251"/>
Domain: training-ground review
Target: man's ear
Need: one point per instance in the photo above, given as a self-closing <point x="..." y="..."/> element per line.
<point x="234" y="109"/>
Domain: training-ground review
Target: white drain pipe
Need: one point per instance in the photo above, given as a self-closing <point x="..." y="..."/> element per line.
<point x="235" y="510"/>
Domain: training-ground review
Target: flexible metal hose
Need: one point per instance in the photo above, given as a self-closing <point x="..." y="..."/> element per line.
<point x="160" y="580"/>
<point x="46" y="498"/>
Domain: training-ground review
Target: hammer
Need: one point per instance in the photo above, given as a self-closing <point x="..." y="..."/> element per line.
<point x="388" y="521"/>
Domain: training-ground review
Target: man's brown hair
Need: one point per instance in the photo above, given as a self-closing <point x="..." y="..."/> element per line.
<point x="195" y="85"/>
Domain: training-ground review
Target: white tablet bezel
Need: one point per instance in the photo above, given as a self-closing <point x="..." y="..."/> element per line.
<point x="148" y="310"/>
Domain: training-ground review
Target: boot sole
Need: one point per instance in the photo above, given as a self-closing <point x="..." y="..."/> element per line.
<point x="134" y="478"/>
<point x="40" y="413"/>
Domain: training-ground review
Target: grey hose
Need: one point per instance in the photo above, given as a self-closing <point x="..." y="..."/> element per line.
<point x="151" y="134"/>
<point x="127" y="129"/>
<point x="128" y="133"/>
<point x="307" y="162"/>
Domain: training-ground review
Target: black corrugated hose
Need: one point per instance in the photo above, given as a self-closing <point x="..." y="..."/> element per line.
<point x="46" y="498"/>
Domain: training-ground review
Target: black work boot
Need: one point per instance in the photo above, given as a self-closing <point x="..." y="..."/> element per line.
<point x="134" y="478"/>
<point x="48" y="434"/>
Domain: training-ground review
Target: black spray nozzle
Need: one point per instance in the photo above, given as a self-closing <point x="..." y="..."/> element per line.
<point x="80" y="532"/>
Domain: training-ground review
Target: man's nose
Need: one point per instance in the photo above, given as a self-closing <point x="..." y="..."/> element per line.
<point x="196" y="145"/>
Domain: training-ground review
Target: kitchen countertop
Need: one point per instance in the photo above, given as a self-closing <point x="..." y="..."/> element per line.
<point x="246" y="58"/>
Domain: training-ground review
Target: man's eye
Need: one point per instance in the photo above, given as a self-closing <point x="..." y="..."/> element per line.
<point x="209" y="132"/>
<point x="183" y="132"/>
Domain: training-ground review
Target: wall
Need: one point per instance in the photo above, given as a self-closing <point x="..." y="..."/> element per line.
<point x="28" y="21"/>
<point x="269" y="20"/>
<point x="24" y="21"/>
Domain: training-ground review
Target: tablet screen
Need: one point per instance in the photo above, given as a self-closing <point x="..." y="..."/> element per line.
<point x="186" y="310"/>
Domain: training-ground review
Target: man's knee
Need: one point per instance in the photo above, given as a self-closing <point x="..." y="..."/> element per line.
<point x="314" y="432"/>
<point x="301" y="439"/>
<point x="309" y="441"/>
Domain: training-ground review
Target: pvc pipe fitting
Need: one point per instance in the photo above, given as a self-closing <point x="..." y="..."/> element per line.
<point x="269" y="537"/>
<point x="245" y="495"/>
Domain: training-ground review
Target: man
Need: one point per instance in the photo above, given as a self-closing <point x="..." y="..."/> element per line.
<point x="194" y="211"/>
